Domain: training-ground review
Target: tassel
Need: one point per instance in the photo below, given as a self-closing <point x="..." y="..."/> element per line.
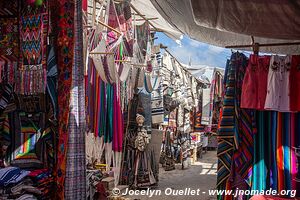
<point x="39" y="2"/>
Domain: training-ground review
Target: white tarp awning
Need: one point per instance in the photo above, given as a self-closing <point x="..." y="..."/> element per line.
<point x="233" y="28"/>
<point x="203" y="72"/>
<point x="275" y="19"/>
<point x="146" y="8"/>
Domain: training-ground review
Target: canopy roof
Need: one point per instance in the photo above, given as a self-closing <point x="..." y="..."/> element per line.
<point x="233" y="22"/>
<point x="148" y="11"/>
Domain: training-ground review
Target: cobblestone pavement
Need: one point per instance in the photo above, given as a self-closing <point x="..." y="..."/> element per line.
<point x="201" y="175"/>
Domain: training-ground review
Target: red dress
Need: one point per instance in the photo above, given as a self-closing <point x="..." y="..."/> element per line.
<point x="254" y="89"/>
<point x="295" y="84"/>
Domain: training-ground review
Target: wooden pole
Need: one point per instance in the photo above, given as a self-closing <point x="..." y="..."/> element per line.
<point x="263" y="45"/>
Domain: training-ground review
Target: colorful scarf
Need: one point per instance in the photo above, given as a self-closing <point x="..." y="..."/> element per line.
<point x="236" y="131"/>
<point x="75" y="179"/>
<point x="65" y="44"/>
<point x="33" y="41"/>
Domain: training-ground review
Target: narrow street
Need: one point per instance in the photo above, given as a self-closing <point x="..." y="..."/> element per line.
<point x="201" y="175"/>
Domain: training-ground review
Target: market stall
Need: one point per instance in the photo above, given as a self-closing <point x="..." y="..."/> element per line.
<point x="257" y="135"/>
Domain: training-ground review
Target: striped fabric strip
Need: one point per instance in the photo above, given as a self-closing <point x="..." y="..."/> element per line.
<point x="279" y="151"/>
<point x="75" y="181"/>
<point x="65" y="44"/>
<point x="274" y="170"/>
<point x="286" y="151"/>
<point x="226" y="131"/>
<point x="297" y="144"/>
<point x="259" y="165"/>
<point x="293" y="156"/>
<point x="236" y="126"/>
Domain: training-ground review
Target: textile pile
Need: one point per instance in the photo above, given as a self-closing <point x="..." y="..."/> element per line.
<point x="22" y="184"/>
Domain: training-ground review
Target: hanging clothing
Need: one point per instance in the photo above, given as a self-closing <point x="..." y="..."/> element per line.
<point x="235" y="145"/>
<point x="205" y="106"/>
<point x="254" y="89"/>
<point x="75" y="179"/>
<point x="278" y="89"/>
<point x="295" y="83"/>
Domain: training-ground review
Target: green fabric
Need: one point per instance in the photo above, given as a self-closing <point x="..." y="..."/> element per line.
<point x="259" y="165"/>
<point x="109" y="114"/>
<point x="102" y="127"/>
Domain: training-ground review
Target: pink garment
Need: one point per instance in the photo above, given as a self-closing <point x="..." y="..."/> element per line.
<point x="278" y="90"/>
<point x="254" y="89"/>
<point x="249" y="87"/>
<point x="117" y="123"/>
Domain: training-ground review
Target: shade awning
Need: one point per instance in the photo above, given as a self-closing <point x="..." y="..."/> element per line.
<point x="233" y="28"/>
<point x="148" y="11"/>
<point x="275" y="19"/>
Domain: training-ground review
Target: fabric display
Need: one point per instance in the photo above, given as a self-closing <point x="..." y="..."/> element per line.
<point x="66" y="51"/>
<point x="22" y="184"/>
<point x="157" y="105"/>
<point x="75" y="177"/>
<point x="33" y="41"/>
<point x="268" y="80"/>
<point x="125" y="20"/>
<point x="9" y="43"/>
<point x="8" y="49"/>
<point x="206" y="107"/>
<point x="255" y="147"/>
<point x="142" y="36"/>
<point x="93" y="179"/>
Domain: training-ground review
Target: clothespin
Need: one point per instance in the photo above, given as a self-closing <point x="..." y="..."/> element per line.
<point x="255" y="46"/>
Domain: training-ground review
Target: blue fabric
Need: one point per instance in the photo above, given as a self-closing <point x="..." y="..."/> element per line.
<point x="11" y="175"/>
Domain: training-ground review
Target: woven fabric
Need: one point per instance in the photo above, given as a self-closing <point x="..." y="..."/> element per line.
<point x="118" y="123"/>
<point x="52" y="78"/>
<point x="28" y="138"/>
<point x="142" y="36"/>
<point x="12" y="175"/>
<point x="65" y="44"/>
<point x="75" y="182"/>
<point x="157" y="105"/>
<point x="8" y="48"/>
<point x="5" y="128"/>
<point x="246" y="126"/>
<point x="8" y="8"/>
<point x="124" y="15"/>
<point x="236" y="127"/>
<point x="33" y="41"/>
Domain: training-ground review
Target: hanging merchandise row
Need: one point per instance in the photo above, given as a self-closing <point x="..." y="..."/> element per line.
<point x="28" y="109"/>
<point x="87" y="94"/>
<point x="256" y="147"/>
<point x="131" y="91"/>
<point x="272" y="83"/>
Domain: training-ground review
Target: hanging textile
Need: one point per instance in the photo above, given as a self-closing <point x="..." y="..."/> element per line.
<point x="142" y="37"/>
<point x="32" y="73"/>
<point x="205" y="106"/>
<point x="255" y="83"/>
<point x="52" y="79"/>
<point x="144" y="108"/>
<point x="8" y="48"/>
<point x="124" y="15"/>
<point x="65" y="44"/>
<point x="274" y="162"/>
<point x="278" y="90"/>
<point x="236" y="131"/>
<point x="75" y="180"/>
<point x="157" y="105"/>
<point x="295" y="83"/>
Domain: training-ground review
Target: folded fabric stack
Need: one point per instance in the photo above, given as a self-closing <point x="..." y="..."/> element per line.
<point x="16" y="183"/>
<point x="44" y="181"/>
<point x="93" y="177"/>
